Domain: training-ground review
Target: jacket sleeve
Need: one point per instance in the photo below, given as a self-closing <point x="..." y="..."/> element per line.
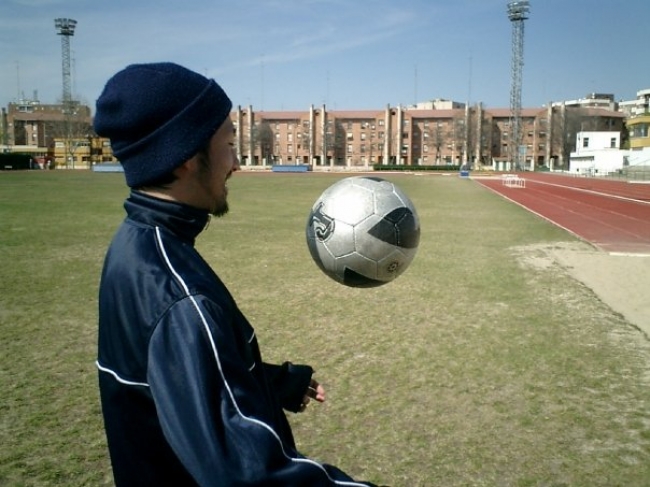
<point x="212" y="410"/>
<point x="290" y="383"/>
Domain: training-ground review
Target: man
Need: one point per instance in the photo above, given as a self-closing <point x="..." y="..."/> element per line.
<point x="186" y="397"/>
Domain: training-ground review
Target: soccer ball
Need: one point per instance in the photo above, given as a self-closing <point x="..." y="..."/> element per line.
<point x="363" y="231"/>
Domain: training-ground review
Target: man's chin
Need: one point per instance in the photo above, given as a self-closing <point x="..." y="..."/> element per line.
<point x="221" y="210"/>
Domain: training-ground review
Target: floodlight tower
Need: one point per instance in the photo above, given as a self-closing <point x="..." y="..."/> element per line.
<point x="65" y="28"/>
<point x="517" y="13"/>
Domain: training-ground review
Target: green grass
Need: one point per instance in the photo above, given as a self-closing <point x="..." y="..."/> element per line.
<point x="471" y="369"/>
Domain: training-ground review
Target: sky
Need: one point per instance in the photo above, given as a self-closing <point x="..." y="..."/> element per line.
<point x="346" y="54"/>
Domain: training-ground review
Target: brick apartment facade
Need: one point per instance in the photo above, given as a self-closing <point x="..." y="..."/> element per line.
<point x="471" y="136"/>
<point x="454" y="134"/>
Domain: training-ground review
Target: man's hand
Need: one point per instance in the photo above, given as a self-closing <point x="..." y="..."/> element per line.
<point x="314" y="391"/>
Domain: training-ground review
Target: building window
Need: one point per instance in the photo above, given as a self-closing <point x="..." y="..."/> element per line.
<point x="350" y="151"/>
<point x="612" y="142"/>
<point x="381" y="123"/>
<point x="585" y="142"/>
<point x="639" y="130"/>
<point x="349" y="136"/>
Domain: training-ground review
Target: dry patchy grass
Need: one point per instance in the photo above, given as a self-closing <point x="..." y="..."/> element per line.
<point x="473" y="368"/>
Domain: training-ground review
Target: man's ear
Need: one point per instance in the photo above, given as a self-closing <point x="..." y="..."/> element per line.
<point x="189" y="166"/>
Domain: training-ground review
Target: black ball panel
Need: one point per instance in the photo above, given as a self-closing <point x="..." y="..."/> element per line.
<point x="354" y="279"/>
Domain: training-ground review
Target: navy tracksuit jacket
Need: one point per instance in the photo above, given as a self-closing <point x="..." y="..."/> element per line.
<point x="185" y="395"/>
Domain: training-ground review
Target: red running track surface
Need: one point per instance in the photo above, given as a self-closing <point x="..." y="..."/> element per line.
<point x="612" y="215"/>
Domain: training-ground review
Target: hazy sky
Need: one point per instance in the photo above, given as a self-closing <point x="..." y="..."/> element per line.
<point x="348" y="54"/>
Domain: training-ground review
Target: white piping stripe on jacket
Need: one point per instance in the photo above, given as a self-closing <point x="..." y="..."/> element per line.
<point x="223" y="378"/>
<point x="118" y="378"/>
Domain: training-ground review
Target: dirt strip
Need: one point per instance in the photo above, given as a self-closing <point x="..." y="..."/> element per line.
<point x="620" y="280"/>
<point x="617" y="271"/>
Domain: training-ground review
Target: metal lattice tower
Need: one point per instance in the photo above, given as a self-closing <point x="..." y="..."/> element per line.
<point x="65" y="28"/>
<point x="517" y="13"/>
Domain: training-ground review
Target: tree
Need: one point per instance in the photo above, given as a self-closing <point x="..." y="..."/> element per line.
<point x="74" y="130"/>
<point x="459" y="139"/>
<point x="566" y="125"/>
<point x="333" y="143"/>
<point x="262" y="135"/>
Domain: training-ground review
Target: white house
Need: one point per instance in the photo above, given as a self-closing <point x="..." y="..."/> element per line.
<point x="597" y="153"/>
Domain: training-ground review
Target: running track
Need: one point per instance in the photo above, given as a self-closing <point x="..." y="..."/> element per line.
<point x="612" y="215"/>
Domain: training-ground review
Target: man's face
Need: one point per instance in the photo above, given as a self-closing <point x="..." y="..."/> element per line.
<point x="216" y="167"/>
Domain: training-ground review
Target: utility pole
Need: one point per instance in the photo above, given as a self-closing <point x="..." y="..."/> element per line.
<point x="517" y="13"/>
<point x="65" y="28"/>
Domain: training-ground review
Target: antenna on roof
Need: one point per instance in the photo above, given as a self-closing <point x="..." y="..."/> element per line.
<point x="17" y="80"/>
<point x="415" y="86"/>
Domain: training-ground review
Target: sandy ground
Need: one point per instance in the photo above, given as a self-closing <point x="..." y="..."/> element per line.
<point x="620" y="281"/>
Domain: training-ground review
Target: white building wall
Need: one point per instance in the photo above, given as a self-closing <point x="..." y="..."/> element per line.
<point x="597" y="153"/>
<point x="590" y="141"/>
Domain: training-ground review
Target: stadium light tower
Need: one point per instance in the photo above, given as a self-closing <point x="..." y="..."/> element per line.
<point x="65" y="28"/>
<point x="517" y="13"/>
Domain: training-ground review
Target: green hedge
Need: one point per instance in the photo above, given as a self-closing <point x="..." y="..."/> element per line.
<point x="394" y="167"/>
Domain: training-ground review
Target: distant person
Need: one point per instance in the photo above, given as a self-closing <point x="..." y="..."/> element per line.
<point x="186" y="397"/>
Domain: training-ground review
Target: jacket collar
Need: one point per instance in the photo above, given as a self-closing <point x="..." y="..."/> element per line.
<point x="184" y="221"/>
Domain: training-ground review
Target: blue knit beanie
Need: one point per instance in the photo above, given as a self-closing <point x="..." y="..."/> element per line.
<point x="157" y="116"/>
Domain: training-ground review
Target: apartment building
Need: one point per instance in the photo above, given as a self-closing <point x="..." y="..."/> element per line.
<point x="593" y="100"/>
<point x="440" y="133"/>
<point x="54" y="135"/>
<point x="639" y="132"/>
<point x="638" y="106"/>
<point x="471" y="136"/>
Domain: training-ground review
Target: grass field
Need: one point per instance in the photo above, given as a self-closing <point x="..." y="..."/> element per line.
<point x="471" y="369"/>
